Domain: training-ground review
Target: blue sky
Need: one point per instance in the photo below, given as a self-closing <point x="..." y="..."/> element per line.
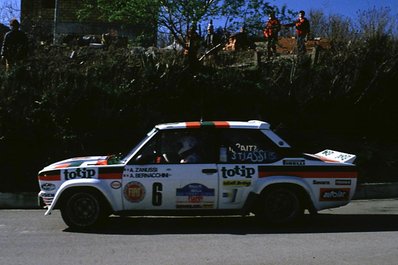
<point x="347" y="8"/>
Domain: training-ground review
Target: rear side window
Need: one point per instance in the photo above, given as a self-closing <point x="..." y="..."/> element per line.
<point x="246" y="147"/>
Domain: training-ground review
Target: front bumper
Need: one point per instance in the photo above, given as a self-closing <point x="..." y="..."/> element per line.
<point x="45" y="199"/>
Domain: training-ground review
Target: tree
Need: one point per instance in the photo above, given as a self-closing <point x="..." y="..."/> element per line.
<point x="176" y="16"/>
<point x="375" y="22"/>
<point x="336" y="28"/>
<point x="168" y="15"/>
<point x="253" y="14"/>
<point x="8" y="10"/>
<point x="340" y="29"/>
<point x="319" y="24"/>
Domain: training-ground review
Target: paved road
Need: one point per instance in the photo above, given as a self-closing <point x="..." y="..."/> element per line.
<point x="364" y="232"/>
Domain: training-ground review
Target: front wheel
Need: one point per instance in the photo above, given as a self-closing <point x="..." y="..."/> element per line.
<point x="280" y="206"/>
<point x="82" y="210"/>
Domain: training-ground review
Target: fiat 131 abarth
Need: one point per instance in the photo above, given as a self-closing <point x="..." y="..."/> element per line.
<point x="200" y="168"/>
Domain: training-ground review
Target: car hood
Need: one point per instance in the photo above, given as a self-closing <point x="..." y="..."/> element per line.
<point x="78" y="162"/>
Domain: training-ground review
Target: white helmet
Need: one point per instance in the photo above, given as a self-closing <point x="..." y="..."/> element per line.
<point x="187" y="143"/>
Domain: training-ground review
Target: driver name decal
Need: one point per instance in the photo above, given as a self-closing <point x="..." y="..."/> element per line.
<point x="144" y="172"/>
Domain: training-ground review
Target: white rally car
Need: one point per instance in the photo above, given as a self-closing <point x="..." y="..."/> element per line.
<point x="200" y="168"/>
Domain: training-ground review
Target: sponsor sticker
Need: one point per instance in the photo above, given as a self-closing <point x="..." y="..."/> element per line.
<point x="195" y="195"/>
<point x="321" y="182"/>
<point x="48" y="186"/>
<point x="116" y="185"/>
<point x="345" y="182"/>
<point x="334" y="194"/>
<point x="238" y="171"/>
<point x="294" y="162"/>
<point x="134" y="191"/>
<point x="240" y="183"/>
<point x="79" y="173"/>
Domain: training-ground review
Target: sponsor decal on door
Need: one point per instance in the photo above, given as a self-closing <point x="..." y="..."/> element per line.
<point x="195" y="196"/>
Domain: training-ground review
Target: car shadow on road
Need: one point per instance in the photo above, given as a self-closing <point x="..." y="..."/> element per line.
<point x="321" y="223"/>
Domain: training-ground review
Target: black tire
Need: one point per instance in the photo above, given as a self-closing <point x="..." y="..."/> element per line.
<point x="82" y="210"/>
<point x="280" y="206"/>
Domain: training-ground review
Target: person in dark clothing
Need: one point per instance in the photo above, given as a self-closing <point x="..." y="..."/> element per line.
<point x="3" y="30"/>
<point x="302" y="29"/>
<point x="192" y="45"/>
<point x="15" y="45"/>
<point x="210" y="35"/>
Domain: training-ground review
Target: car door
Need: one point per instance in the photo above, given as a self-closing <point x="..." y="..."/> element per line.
<point x="241" y="151"/>
<point x="174" y="170"/>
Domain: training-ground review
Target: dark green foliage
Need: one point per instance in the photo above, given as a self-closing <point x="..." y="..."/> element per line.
<point x="103" y="102"/>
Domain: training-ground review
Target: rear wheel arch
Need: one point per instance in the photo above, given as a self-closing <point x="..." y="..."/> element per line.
<point x="303" y="194"/>
<point x="294" y="195"/>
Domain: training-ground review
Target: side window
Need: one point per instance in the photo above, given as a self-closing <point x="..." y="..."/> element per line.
<point x="178" y="147"/>
<point x="246" y="147"/>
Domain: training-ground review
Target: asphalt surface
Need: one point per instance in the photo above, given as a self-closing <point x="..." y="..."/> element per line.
<point x="363" y="232"/>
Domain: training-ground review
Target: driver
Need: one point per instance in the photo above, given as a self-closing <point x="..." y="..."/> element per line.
<point x="188" y="151"/>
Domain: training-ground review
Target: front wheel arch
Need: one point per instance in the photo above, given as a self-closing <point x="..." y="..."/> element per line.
<point x="83" y="207"/>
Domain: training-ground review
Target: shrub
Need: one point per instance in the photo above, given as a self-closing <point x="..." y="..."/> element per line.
<point x="102" y="102"/>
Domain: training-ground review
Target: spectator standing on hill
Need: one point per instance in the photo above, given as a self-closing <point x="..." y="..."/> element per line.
<point x="242" y="42"/>
<point x="302" y="29"/>
<point x="210" y="35"/>
<point x="192" y="45"/>
<point x="271" y="31"/>
<point x="15" y="45"/>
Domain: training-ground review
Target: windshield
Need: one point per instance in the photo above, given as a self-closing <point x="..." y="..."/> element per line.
<point x="125" y="157"/>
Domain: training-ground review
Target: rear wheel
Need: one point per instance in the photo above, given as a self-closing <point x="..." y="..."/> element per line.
<point x="280" y="206"/>
<point x="82" y="210"/>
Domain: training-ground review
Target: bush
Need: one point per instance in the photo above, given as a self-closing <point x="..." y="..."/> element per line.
<point x="102" y="102"/>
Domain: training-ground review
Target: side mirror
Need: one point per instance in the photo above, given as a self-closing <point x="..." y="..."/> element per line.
<point x="143" y="159"/>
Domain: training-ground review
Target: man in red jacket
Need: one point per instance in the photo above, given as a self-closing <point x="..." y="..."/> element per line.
<point x="271" y="31"/>
<point x="302" y="29"/>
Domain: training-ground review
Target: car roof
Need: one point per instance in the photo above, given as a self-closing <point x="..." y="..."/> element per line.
<point x="253" y="124"/>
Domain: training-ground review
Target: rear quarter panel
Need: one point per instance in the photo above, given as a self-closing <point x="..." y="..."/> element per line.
<point x="327" y="184"/>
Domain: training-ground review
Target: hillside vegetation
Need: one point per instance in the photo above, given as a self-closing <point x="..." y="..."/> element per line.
<point x="103" y="101"/>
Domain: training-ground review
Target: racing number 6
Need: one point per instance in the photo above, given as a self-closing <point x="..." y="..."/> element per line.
<point x="157" y="194"/>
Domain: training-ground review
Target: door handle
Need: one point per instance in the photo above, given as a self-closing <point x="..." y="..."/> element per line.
<point x="209" y="170"/>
